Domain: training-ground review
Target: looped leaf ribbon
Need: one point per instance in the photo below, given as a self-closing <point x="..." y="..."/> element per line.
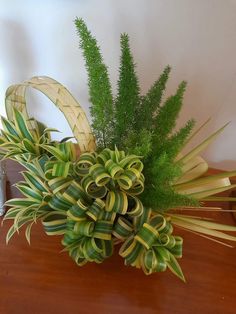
<point x="98" y="207"/>
<point x="153" y="248"/>
<point x="105" y="190"/>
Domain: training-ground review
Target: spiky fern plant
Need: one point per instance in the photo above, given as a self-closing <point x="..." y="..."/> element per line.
<point x="93" y="202"/>
<point x="122" y="192"/>
<point x="142" y="125"/>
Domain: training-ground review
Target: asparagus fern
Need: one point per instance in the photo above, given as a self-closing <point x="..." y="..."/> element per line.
<point x="136" y="123"/>
<point x="128" y="96"/>
<point x="99" y="85"/>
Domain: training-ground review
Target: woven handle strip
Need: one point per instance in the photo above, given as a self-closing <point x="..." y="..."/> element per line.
<point x="62" y="98"/>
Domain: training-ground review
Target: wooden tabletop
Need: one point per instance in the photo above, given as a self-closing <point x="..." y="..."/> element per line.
<point x="38" y="279"/>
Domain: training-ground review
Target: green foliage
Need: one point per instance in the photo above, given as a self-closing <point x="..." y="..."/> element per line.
<point x="39" y="187"/>
<point x="99" y="198"/>
<point x="83" y="206"/>
<point x="19" y="141"/>
<point x="165" y="120"/>
<point x="150" y="103"/>
<point x="99" y="86"/>
<point x="141" y="125"/>
<point x="128" y="93"/>
<point x="27" y="210"/>
<point x="140" y="147"/>
<point x="159" y="193"/>
<point x="174" y="144"/>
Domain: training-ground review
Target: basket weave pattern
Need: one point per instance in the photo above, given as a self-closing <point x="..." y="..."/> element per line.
<point x="62" y="98"/>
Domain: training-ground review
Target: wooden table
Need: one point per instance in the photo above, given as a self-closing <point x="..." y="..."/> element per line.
<point x="38" y="279"/>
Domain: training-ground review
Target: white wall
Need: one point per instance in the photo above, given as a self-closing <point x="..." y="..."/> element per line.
<point x="197" y="38"/>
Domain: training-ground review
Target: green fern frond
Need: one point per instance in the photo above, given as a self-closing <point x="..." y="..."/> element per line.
<point x="165" y="121"/>
<point x="138" y="143"/>
<point x="128" y="92"/>
<point x="139" y="123"/>
<point x="150" y="103"/>
<point x="100" y="91"/>
<point x="175" y="143"/>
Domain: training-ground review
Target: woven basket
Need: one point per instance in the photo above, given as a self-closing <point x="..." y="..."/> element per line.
<point x="62" y="98"/>
<point x="77" y="119"/>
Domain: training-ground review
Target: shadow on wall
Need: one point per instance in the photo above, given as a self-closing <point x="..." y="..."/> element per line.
<point x="16" y="55"/>
<point x="18" y="63"/>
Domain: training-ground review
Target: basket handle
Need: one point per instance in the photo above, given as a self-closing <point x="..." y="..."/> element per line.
<point x="62" y="98"/>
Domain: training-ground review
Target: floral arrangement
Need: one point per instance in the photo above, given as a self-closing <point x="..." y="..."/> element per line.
<point x="124" y="188"/>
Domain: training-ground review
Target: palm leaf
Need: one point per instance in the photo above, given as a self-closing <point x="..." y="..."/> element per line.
<point x="208" y="192"/>
<point x="204" y="180"/>
<point x="197" y="131"/>
<point x="206" y="224"/>
<point x="198" y="149"/>
<point x="200" y="229"/>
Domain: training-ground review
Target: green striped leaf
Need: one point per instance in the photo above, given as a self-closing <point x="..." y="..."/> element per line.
<point x="29" y="192"/>
<point x="28" y="231"/>
<point x="34" y="181"/>
<point x="173" y="265"/>
<point x="58" y="184"/>
<point x="20" y="202"/>
<point x="56" y="152"/>
<point x="117" y="201"/>
<point x="21" y="125"/>
<point x="55" y="223"/>
<point x="13" y="230"/>
<point x="61" y="169"/>
<point x="122" y="229"/>
<point x="11" y="213"/>
<point x="30" y="146"/>
<point x="9" y="127"/>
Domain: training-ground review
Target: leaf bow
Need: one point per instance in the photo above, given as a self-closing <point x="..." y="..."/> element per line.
<point x="153" y="247"/>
